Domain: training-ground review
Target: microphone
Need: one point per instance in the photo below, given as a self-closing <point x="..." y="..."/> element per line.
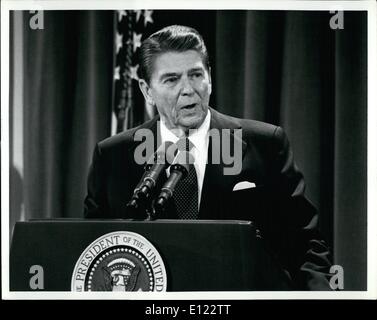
<point x="178" y="170"/>
<point x="134" y="202"/>
<point x="156" y="164"/>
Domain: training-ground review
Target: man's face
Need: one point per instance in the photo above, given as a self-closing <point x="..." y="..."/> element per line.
<point x="180" y="87"/>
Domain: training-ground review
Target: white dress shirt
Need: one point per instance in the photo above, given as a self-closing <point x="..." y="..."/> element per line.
<point x="200" y="139"/>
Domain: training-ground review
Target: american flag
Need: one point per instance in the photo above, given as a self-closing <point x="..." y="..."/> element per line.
<point x="129" y="108"/>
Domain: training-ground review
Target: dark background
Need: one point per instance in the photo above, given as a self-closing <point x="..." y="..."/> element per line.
<point x="288" y="68"/>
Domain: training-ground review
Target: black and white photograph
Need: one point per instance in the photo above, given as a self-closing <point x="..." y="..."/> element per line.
<point x="152" y="151"/>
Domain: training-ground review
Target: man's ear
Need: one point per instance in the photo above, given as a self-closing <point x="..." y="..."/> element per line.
<point x="146" y="90"/>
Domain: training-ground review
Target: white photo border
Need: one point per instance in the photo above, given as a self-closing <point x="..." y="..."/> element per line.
<point x="369" y="6"/>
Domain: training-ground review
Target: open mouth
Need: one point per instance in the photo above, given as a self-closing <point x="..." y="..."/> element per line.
<point x="189" y="106"/>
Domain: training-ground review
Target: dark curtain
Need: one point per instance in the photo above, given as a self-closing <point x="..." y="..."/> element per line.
<point x="291" y="69"/>
<point x="68" y="83"/>
<point x="286" y="68"/>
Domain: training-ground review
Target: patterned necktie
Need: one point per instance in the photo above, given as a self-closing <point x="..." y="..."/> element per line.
<point x="186" y="192"/>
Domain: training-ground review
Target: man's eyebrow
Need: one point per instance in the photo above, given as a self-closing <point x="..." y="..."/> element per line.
<point x="174" y="74"/>
<point x="169" y="74"/>
<point x="196" y="69"/>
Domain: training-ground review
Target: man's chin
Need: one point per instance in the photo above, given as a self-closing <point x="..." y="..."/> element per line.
<point x="191" y="122"/>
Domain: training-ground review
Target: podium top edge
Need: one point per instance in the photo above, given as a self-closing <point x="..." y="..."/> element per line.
<point x="134" y="221"/>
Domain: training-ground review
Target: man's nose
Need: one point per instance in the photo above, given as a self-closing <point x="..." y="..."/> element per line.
<point x="187" y="87"/>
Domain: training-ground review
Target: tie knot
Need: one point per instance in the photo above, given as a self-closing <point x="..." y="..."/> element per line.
<point x="184" y="144"/>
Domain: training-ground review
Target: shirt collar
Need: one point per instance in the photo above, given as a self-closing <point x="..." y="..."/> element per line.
<point x="196" y="136"/>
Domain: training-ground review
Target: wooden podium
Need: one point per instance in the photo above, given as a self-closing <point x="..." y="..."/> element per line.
<point x="198" y="255"/>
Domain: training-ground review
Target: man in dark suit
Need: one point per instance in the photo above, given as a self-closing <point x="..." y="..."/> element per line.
<point x="267" y="189"/>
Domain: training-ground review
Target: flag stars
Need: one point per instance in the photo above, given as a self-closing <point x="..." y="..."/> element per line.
<point x="138" y="15"/>
<point x="146" y="14"/>
<point x="136" y="40"/>
<point x="118" y="41"/>
<point x="121" y="14"/>
<point x="148" y="17"/>
<point x="117" y="73"/>
<point x="133" y="72"/>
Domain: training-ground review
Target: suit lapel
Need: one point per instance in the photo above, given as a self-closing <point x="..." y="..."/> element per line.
<point x="216" y="184"/>
<point x="151" y="125"/>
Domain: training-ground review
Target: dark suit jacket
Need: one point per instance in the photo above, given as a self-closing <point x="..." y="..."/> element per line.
<point x="277" y="205"/>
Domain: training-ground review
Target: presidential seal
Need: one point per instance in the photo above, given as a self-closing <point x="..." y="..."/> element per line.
<point x="119" y="261"/>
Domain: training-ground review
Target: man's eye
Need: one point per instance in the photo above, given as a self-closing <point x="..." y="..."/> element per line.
<point x="171" y="80"/>
<point x="197" y="74"/>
